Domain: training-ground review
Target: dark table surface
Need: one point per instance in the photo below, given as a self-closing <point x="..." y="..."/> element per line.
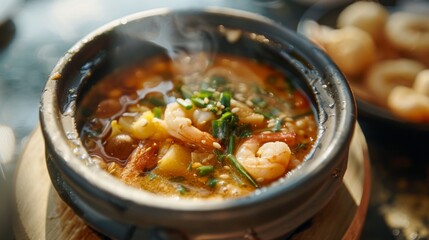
<point x="34" y="37"/>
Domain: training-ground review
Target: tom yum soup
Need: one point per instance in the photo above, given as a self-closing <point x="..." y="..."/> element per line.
<point x="170" y="128"/>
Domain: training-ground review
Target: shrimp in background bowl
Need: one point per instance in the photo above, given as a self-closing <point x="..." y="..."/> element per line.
<point x="378" y="49"/>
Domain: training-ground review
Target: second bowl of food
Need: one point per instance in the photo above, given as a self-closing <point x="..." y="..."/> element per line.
<point x="202" y="124"/>
<point x="383" y="51"/>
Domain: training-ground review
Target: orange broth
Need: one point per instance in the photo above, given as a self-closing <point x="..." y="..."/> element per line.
<point x="234" y="101"/>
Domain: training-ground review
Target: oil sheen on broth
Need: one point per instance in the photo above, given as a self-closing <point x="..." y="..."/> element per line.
<point x="220" y="128"/>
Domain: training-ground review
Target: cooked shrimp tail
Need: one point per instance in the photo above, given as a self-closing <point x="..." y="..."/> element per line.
<point x="142" y="158"/>
<point x="289" y="138"/>
<point x="179" y="125"/>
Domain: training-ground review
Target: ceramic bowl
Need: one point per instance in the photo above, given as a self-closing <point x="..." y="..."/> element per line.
<point x="122" y="212"/>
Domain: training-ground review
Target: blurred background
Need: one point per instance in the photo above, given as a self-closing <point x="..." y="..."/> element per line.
<point x="34" y="34"/>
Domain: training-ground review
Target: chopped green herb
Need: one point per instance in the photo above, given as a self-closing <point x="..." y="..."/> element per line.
<point x="182" y="189"/>
<point x="186" y="103"/>
<point x="234" y="121"/>
<point x="212" y="182"/>
<point x="205" y="93"/>
<point x="225" y="99"/>
<point x="225" y="116"/>
<point x="157" y="112"/>
<point x="234" y="162"/>
<point x="199" y="102"/>
<point x="212" y="107"/>
<point x="204" y="170"/>
<point x="223" y="127"/>
<point x="231" y="144"/>
<point x="220" y="155"/>
<point x="219" y="129"/>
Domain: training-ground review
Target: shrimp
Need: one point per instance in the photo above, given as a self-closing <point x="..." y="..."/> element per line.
<point x="179" y="125"/>
<point x="421" y="83"/>
<point x="409" y="32"/>
<point x="368" y="16"/>
<point x="266" y="156"/>
<point x="246" y="114"/>
<point x="143" y="157"/>
<point x="387" y="74"/>
<point x="409" y="104"/>
<point x="351" y="48"/>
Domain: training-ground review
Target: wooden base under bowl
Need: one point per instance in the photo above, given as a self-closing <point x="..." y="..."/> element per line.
<point x="41" y="214"/>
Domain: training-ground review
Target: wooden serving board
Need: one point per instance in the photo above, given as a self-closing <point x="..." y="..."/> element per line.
<point x="41" y="214"/>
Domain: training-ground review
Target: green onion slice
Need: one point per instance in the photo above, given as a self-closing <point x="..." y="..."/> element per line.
<point x="157" y="112"/>
<point x="234" y="162"/>
<point x="199" y="102"/>
<point x="212" y="182"/>
<point x="225" y="99"/>
<point x="204" y="170"/>
<point x="186" y="103"/>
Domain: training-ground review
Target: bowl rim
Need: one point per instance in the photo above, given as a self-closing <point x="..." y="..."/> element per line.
<point x="55" y="138"/>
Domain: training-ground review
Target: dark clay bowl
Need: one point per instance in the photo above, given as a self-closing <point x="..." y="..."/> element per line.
<point x="122" y="212"/>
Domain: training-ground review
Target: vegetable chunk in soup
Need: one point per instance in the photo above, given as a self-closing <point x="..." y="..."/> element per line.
<point x="219" y="128"/>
